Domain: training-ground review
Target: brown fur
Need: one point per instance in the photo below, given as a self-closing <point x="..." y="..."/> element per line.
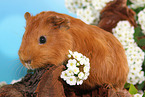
<point x="63" y="33"/>
<point x="114" y="12"/>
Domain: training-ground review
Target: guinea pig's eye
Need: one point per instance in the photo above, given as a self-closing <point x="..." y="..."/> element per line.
<point x="42" y="39"/>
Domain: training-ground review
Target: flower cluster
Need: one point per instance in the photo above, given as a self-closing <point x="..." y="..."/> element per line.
<point x="78" y="68"/>
<point x="135" y="56"/>
<point x="137" y="3"/>
<point x="138" y="95"/>
<point x="15" y="81"/>
<point x="2" y="84"/>
<point x="141" y="20"/>
<point x="87" y="10"/>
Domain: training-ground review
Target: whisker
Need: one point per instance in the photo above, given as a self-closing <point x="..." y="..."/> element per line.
<point x="11" y="65"/>
<point x="20" y="69"/>
<point x="14" y="60"/>
<point x="16" y="64"/>
<point x="20" y="66"/>
<point x="17" y="35"/>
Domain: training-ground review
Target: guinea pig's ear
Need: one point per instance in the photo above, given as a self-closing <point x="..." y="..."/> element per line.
<point x="58" y="22"/>
<point x="27" y="15"/>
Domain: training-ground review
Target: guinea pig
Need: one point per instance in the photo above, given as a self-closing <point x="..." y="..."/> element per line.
<point x="49" y="36"/>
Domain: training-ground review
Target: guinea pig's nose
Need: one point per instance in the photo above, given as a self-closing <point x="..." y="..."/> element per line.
<point x="28" y="64"/>
<point x="28" y="61"/>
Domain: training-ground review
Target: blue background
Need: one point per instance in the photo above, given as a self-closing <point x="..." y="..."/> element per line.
<point x="12" y="25"/>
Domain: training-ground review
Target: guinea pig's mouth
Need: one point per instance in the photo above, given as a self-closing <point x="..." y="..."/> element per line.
<point x="28" y="65"/>
<point x="33" y="64"/>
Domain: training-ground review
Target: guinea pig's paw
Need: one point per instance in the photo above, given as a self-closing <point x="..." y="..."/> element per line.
<point x="58" y="22"/>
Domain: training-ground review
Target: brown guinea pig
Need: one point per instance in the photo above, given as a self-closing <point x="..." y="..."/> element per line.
<point x="49" y="36"/>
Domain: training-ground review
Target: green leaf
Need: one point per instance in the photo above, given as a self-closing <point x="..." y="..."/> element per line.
<point x="132" y="89"/>
<point x="143" y="94"/>
<point x="141" y="42"/>
<point x="31" y="71"/>
<point x="144" y="62"/>
<point x="139" y="9"/>
<point x="138" y="31"/>
<point x="128" y="2"/>
<point x="127" y="86"/>
<point x="140" y="86"/>
<point x="143" y="66"/>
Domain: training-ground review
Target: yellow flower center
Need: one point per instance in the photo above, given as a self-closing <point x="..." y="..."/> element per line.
<point x="71" y="64"/>
<point x="65" y="74"/>
<point x="70" y="71"/>
<point x="71" y="79"/>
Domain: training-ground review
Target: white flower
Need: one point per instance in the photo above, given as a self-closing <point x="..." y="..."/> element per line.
<point x="86" y="69"/>
<point x="82" y="61"/>
<point x="69" y="56"/>
<point x="70" y="4"/>
<point x="64" y="75"/>
<point x="137" y="3"/>
<point x="100" y="4"/>
<point x="138" y="95"/>
<point x="80" y="12"/>
<point x="2" y="84"/>
<point x="79" y="82"/>
<point x="76" y="70"/>
<point x="70" y="52"/>
<point x="71" y="63"/>
<point x="86" y="2"/>
<point x="87" y="10"/>
<point x="81" y="75"/>
<point x="70" y="72"/>
<point x="87" y="60"/>
<point x="140" y="74"/>
<point x="140" y="91"/>
<point x="77" y="56"/>
<point x="141" y="20"/>
<point x="86" y="75"/>
<point x="15" y="81"/>
<point x="73" y="75"/>
<point x="71" y="80"/>
<point x="135" y="56"/>
<point x="141" y="79"/>
<point x="87" y="15"/>
<point x="135" y="68"/>
<point x="78" y="64"/>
